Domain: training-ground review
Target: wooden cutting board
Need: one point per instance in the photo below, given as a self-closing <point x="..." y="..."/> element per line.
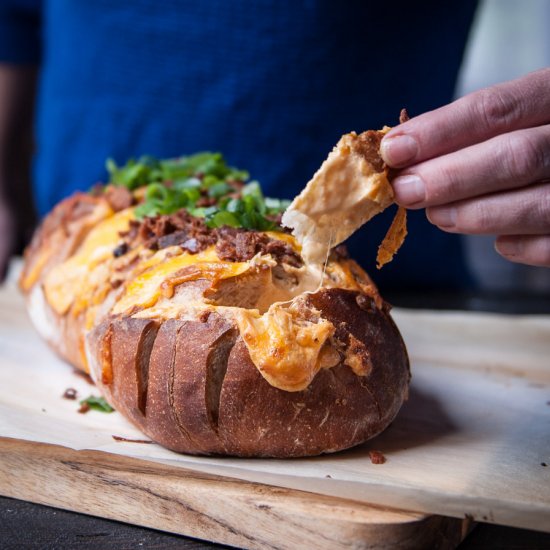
<point x="470" y="442"/>
<point x="219" y="509"/>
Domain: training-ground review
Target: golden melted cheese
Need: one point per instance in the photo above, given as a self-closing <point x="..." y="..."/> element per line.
<point x="394" y="238"/>
<point x="72" y="280"/>
<point x="145" y="289"/>
<point x="285" y="348"/>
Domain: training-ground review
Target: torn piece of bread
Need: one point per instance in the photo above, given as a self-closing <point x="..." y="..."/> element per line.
<point x="350" y="187"/>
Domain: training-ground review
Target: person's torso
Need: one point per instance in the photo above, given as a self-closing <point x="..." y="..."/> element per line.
<point x="270" y="84"/>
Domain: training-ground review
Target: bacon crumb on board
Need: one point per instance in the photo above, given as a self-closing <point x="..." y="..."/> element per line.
<point x="84" y="408"/>
<point x="376" y="457"/>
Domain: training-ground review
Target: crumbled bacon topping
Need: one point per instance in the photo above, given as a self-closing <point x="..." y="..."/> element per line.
<point x="192" y="235"/>
<point x="376" y="457"/>
<point x="241" y="245"/>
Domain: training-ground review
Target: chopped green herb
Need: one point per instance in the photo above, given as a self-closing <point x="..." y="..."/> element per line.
<point x="97" y="404"/>
<point x="190" y="183"/>
<point x="219" y="189"/>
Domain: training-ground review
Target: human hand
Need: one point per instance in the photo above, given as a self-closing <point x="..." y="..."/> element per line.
<point x="481" y="165"/>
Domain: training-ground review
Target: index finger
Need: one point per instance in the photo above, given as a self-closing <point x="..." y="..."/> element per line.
<point x="514" y="105"/>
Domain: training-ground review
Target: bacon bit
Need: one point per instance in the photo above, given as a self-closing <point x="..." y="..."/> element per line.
<point x="403" y="116"/>
<point x="204" y="315"/>
<point x="70" y="393"/>
<point x="376" y="457"/>
<point x="119" y="438"/>
<point x="119" y="197"/>
<point x="367" y="145"/>
<point x="154" y="232"/>
<point x="84" y="408"/>
<point x="394" y="238"/>
<point x="238" y="245"/>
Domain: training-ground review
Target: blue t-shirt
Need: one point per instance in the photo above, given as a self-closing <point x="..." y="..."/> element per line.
<point x="271" y="84"/>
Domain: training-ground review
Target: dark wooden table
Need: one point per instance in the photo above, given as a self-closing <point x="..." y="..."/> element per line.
<point x="27" y="525"/>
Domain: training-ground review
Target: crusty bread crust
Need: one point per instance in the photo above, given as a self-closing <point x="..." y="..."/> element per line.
<point x="188" y="381"/>
<point x="55" y="240"/>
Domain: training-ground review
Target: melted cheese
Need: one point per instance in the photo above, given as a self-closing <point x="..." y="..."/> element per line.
<point x="145" y="289"/>
<point x="285" y="348"/>
<point x="343" y="194"/>
<point x="72" y="280"/>
<point x="285" y="237"/>
<point x="394" y="238"/>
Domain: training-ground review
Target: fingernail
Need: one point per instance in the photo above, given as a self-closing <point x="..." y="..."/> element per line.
<point x="443" y="216"/>
<point x="399" y="150"/>
<point x="409" y="189"/>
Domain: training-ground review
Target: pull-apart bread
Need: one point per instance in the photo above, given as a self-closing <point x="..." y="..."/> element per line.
<point x="206" y="323"/>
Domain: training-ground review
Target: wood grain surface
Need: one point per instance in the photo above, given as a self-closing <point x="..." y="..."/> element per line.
<point x="224" y="510"/>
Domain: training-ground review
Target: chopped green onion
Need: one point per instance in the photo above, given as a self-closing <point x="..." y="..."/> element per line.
<point x="219" y="189"/>
<point x="173" y="184"/>
<point x="222" y="218"/>
<point x="97" y="404"/>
